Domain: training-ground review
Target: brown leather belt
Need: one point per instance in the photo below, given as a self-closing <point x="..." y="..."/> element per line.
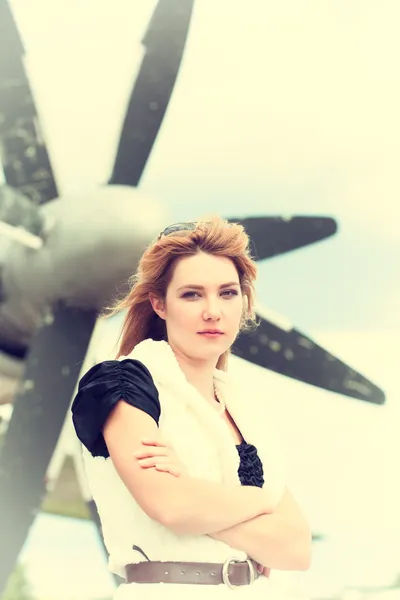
<point x="233" y="572"/>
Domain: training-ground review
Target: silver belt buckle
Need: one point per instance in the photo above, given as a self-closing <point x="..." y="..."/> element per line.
<point x="225" y="574"/>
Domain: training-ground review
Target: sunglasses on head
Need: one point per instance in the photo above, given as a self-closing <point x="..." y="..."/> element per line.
<point x="176" y="227"/>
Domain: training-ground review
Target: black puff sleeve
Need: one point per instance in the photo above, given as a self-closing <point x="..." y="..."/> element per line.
<point x="251" y="470"/>
<point x="101" y="388"/>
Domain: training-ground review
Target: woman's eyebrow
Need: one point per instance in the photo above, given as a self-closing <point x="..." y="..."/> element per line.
<point x="201" y="287"/>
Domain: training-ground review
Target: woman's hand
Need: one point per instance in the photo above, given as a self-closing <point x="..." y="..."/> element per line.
<point x="160" y="455"/>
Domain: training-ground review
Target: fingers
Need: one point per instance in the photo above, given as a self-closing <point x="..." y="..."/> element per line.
<point x="155" y="442"/>
<point x="152" y="448"/>
<point x="173" y="470"/>
<point x="152" y="451"/>
<point x="152" y="461"/>
<point x="158" y="454"/>
<point x="161" y="464"/>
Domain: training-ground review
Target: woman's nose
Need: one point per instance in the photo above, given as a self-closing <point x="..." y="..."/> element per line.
<point x="212" y="310"/>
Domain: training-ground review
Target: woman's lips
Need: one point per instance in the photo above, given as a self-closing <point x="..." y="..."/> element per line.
<point x="209" y="334"/>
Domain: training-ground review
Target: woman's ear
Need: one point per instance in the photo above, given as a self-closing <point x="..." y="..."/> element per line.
<point x="158" y="305"/>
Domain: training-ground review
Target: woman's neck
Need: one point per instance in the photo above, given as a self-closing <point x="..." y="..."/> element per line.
<point x="199" y="374"/>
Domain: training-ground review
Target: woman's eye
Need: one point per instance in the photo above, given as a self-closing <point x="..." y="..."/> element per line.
<point x="225" y="293"/>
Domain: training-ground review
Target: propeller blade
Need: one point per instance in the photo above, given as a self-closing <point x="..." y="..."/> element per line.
<point x="39" y="413"/>
<point x="277" y="346"/>
<point x="24" y="155"/>
<point x="271" y="236"/>
<point x="164" y="42"/>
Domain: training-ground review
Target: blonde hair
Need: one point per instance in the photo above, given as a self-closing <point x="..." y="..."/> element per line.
<point x="214" y="236"/>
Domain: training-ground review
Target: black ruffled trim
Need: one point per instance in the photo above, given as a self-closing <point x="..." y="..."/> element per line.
<point x="250" y="469"/>
<point x="101" y="388"/>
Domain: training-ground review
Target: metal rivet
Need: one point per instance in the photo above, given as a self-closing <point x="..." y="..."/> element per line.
<point x="275" y="346"/>
<point x="197" y="573"/>
<point x="212" y="573"/>
<point x="166" y="572"/>
<point x="288" y="354"/>
<point x="182" y="572"/>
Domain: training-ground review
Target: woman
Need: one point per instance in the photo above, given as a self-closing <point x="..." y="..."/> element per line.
<point x="187" y="479"/>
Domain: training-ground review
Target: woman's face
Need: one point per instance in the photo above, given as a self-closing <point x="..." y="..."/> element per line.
<point x="204" y="294"/>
